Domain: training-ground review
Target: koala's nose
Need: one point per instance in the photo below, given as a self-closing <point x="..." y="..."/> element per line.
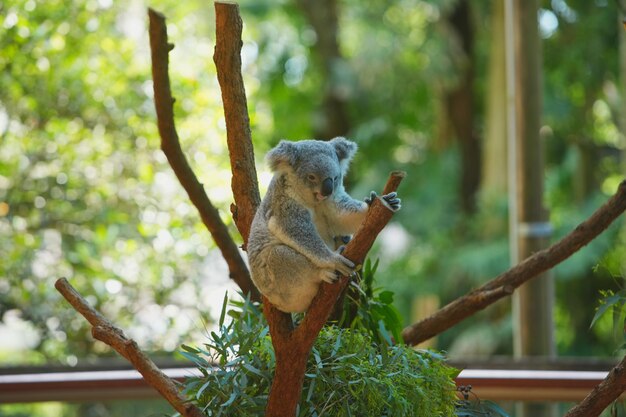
<point x="327" y="187"/>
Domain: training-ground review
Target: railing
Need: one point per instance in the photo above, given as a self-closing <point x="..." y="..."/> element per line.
<point x="92" y="385"/>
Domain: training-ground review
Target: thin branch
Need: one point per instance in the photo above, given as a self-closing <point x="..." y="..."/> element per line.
<point x="603" y="394"/>
<point x="164" y="103"/>
<point x="227" y="58"/>
<point x="113" y="336"/>
<point x="506" y="283"/>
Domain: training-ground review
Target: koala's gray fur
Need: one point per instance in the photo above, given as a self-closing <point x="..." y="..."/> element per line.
<point x="306" y="209"/>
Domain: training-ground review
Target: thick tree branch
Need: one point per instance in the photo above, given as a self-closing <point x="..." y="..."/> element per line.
<point x="603" y="394"/>
<point x="164" y="103"/>
<point x="356" y="250"/>
<point x="227" y="58"/>
<point x="506" y="283"/>
<point x="113" y="336"/>
<point x="292" y="346"/>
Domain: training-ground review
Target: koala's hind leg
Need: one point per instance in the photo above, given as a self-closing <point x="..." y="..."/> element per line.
<point x="296" y="278"/>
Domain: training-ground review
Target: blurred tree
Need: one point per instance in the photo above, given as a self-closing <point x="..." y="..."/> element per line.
<point x="84" y="193"/>
<point x="494" y="175"/>
<point x="323" y="16"/>
<point x="459" y="104"/>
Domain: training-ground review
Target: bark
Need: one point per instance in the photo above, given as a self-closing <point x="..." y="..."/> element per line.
<point x="323" y="16"/>
<point x="460" y="108"/>
<point x="227" y="58"/>
<point x="603" y="394"/>
<point x="113" y="336"/>
<point x="506" y="283"/>
<point x="293" y="345"/>
<point x="170" y="144"/>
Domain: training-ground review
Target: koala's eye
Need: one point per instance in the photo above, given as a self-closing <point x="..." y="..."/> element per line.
<point x="311" y="177"/>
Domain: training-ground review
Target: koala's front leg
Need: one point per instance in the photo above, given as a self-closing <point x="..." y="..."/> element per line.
<point x="391" y="200"/>
<point x="301" y="235"/>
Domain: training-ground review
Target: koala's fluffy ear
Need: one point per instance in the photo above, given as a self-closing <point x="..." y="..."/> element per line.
<point x="345" y="151"/>
<point x="282" y="157"/>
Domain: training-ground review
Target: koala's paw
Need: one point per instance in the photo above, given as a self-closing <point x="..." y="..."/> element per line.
<point x="329" y="275"/>
<point x="393" y="201"/>
<point x="369" y="200"/>
<point x="343" y="265"/>
<point x="341" y="241"/>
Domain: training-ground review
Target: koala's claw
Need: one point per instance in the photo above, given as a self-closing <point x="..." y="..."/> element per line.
<point x="330" y="276"/>
<point x="344" y="266"/>
<point x="394" y="202"/>
<point x="341" y="242"/>
<point x="369" y="200"/>
<point x="391" y="199"/>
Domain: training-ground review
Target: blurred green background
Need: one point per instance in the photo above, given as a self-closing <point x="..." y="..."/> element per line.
<point x="86" y="193"/>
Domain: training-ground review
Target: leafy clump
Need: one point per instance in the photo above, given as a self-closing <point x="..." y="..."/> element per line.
<point x="348" y="374"/>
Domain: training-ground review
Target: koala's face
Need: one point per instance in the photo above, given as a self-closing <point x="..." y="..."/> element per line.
<point x="315" y="168"/>
<point x="319" y="173"/>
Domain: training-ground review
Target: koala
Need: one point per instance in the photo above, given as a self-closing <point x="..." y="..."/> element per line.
<point x="292" y="245"/>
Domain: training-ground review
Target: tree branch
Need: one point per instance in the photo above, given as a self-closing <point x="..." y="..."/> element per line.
<point x="603" y="394"/>
<point x="292" y="346"/>
<point x="227" y="58"/>
<point x="164" y="103"/>
<point x="506" y="283"/>
<point x="113" y="336"/>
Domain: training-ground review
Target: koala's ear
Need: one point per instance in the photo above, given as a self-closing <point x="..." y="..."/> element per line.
<point x="345" y="151"/>
<point x="283" y="156"/>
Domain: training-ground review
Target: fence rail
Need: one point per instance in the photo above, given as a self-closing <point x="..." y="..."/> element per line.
<point x="95" y="385"/>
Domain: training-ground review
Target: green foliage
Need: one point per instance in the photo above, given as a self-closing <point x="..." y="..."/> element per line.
<point x="85" y="192"/>
<point x="348" y="373"/>
<point x="375" y="312"/>
<point x="614" y="303"/>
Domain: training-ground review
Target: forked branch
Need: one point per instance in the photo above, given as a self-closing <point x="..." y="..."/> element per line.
<point x="292" y="346"/>
<point x="170" y="144"/>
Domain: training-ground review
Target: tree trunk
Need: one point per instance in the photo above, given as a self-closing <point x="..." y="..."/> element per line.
<point x="494" y="167"/>
<point x="323" y="16"/>
<point x="460" y="108"/>
<point x="293" y="345"/>
<point x="532" y="303"/>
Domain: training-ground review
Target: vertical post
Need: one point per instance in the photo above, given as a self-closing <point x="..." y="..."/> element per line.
<point x="530" y="231"/>
<point x="622" y="65"/>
